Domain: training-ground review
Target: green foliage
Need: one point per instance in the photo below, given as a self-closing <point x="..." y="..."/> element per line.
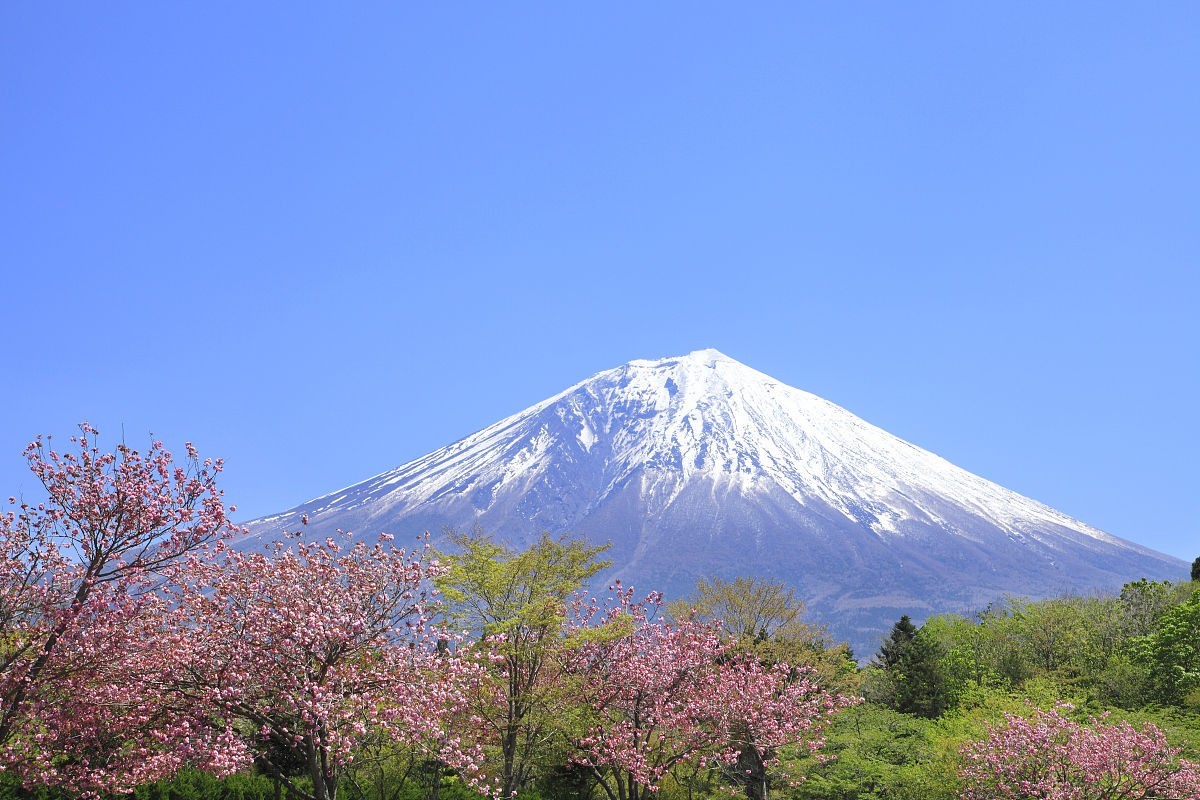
<point x="196" y="785"/>
<point x="189" y="784"/>
<point x="442" y="786"/>
<point x="920" y="679"/>
<point x="898" y="641"/>
<point x="1105" y="649"/>
<point x="1139" y="648"/>
<point x="493" y="590"/>
<point x="1123" y="682"/>
<point x="909" y="674"/>
<point x="10" y="789"/>
<point x="522" y="599"/>
<point x="566" y="782"/>
<point x="750" y="609"/>
<point x="966" y="673"/>
<point x="1171" y="654"/>
<point x="879" y="753"/>
<point x="1142" y="603"/>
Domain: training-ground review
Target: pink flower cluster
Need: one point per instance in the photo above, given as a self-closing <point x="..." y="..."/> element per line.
<point x="666" y="693"/>
<point x="78" y="603"/>
<point x="315" y="645"/>
<point x="1048" y="755"/>
<point x="133" y="641"/>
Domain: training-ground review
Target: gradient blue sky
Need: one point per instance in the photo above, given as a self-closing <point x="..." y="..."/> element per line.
<point x="319" y="240"/>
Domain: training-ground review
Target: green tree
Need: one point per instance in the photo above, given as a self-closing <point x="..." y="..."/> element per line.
<point x="1001" y="642"/>
<point x="879" y="753"/>
<point x="897" y="643"/>
<point x="908" y="673"/>
<point x="966" y="676"/>
<point x="750" y="609"/>
<point x="1142" y="603"/>
<point x="518" y="602"/>
<point x="1172" y="654"/>
<point x="1196" y="569"/>
<point x="920" y="682"/>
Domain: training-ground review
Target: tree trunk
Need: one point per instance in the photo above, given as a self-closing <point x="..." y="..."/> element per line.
<point x="752" y="773"/>
<point x="432" y="778"/>
<point x="324" y="780"/>
<point x="509" y="748"/>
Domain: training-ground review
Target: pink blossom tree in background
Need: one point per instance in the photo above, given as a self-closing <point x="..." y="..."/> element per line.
<point x="1047" y="755"/>
<point x="668" y="693"/>
<point x="654" y="688"/>
<point x="316" y="647"/>
<point x="772" y="710"/>
<point x="77" y="578"/>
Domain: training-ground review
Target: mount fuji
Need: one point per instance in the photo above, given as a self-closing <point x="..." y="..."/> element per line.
<point x="701" y="466"/>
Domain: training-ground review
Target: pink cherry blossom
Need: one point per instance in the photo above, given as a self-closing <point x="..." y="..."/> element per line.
<point x="78" y="574"/>
<point x="318" y="645"/>
<point x="1047" y="755"/>
<point x="664" y="693"/>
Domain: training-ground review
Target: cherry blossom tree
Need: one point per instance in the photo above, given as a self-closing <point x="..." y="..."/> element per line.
<point x="1047" y="755"/>
<point x="772" y="710"/>
<point x="77" y="578"/>
<point x="653" y="688"/>
<point x="668" y="693"/>
<point x="316" y="647"/>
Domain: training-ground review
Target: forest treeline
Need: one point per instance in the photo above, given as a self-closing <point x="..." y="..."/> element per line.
<point x="1108" y="663"/>
<point x="141" y="654"/>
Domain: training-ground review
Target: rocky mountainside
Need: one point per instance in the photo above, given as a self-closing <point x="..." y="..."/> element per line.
<point x="700" y="465"/>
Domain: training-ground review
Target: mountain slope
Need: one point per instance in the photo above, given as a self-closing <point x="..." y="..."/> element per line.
<point x="700" y="465"/>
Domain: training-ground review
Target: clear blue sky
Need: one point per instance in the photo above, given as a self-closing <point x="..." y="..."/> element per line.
<point x="320" y="240"/>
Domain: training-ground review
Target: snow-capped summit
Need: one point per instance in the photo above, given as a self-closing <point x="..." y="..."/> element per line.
<point x="700" y="465"/>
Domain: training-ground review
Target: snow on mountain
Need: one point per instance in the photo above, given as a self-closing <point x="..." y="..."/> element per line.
<point x="700" y="465"/>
